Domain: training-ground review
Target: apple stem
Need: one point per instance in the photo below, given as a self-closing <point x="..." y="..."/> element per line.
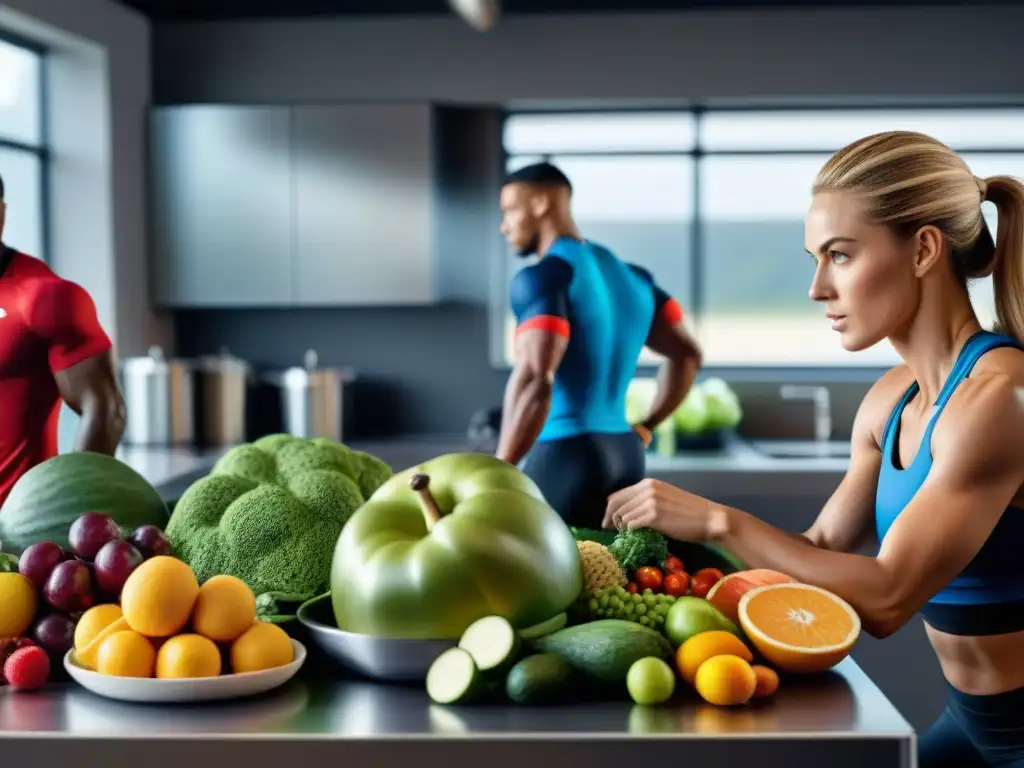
<point x="431" y="511"/>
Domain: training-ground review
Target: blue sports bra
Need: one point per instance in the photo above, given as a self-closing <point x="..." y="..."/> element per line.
<point x="987" y="597"/>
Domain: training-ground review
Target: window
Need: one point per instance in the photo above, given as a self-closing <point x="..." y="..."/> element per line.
<point x="714" y="203"/>
<point x="22" y="149"/>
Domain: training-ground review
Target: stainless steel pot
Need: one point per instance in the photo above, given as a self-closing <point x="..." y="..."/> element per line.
<point x="159" y="400"/>
<point x="223" y="381"/>
<point x="313" y="399"/>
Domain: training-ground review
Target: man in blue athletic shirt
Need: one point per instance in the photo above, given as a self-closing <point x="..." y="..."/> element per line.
<point x="583" y="317"/>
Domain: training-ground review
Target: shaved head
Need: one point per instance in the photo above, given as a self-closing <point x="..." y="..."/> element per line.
<point x="533" y="198"/>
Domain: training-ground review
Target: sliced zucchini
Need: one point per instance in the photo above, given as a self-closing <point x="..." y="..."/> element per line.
<point x="453" y="678"/>
<point x="493" y="643"/>
<point x="553" y="624"/>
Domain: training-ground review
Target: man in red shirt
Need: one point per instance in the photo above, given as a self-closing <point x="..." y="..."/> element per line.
<point x="52" y="350"/>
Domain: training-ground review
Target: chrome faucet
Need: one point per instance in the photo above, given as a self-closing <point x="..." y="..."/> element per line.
<point x="822" y="407"/>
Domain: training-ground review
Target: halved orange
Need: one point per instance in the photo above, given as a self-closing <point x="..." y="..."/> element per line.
<point x="799" y="627"/>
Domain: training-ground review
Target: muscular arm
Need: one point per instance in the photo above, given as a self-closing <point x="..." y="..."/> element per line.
<point x="540" y="301"/>
<point x="669" y="338"/>
<point x="978" y="443"/>
<point x="80" y="357"/>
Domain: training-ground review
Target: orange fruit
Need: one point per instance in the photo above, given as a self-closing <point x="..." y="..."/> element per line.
<point x="94" y="621"/>
<point x="19" y="601"/>
<point x="725" y="680"/>
<point x="126" y="654"/>
<point x="767" y="681"/>
<point x="188" y="656"/>
<point x="799" y="627"/>
<point x="262" y="646"/>
<point x="699" y="648"/>
<point x="88" y="655"/>
<point x="225" y="608"/>
<point x="727" y="592"/>
<point x="157" y="599"/>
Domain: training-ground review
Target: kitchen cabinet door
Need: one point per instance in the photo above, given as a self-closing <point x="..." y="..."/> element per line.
<point x="222" y="206"/>
<point x="364" y="204"/>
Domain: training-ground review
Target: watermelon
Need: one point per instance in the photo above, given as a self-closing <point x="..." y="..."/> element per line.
<point x="47" y="499"/>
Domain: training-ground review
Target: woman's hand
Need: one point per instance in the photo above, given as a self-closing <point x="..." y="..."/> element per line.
<point x="672" y="511"/>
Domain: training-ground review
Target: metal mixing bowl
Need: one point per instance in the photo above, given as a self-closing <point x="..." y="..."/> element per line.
<point x="381" y="658"/>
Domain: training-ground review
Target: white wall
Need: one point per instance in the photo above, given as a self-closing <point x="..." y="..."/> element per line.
<point x="99" y="74"/>
<point x="99" y="77"/>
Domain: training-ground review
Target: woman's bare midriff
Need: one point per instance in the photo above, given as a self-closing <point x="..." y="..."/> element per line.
<point x="980" y="665"/>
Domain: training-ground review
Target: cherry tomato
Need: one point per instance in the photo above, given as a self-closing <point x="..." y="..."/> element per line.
<point x="703" y="580"/>
<point x="713" y="572"/>
<point x="673" y="564"/>
<point x="648" y="577"/>
<point x="632" y="588"/>
<point x="676" y="584"/>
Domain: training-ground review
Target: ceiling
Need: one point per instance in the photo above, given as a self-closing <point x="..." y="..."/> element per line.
<point x="198" y="10"/>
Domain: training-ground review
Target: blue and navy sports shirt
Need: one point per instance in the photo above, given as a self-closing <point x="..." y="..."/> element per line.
<point x="605" y="308"/>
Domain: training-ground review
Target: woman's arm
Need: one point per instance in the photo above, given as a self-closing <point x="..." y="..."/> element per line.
<point x="978" y="445"/>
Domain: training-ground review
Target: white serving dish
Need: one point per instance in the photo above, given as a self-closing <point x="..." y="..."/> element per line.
<point x="184" y="691"/>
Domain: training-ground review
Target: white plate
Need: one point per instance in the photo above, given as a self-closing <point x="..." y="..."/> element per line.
<point x="153" y="691"/>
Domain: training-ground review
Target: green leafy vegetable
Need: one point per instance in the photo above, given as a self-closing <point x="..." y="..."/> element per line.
<point x="638" y="547"/>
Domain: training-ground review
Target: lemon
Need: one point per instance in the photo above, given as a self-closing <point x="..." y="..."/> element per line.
<point x="126" y="654"/>
<point x="225" y="608"/>
<point x="262" y="646"/>
<point x="19" y="601"/>
<point x="94" y="621"/>
<point x="188" y="655"/>
<point x="157" y="599"/>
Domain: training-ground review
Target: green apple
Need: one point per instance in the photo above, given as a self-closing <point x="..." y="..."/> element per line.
<point x="447" y="542"/>
<point x="691" y="616"/>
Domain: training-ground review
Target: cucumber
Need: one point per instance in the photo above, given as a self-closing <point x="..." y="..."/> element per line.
<point x="605" y="649"/>
<point x="453" y="678"/>
<point x="493" y="643"/>
<point x="539" y="679"/>
<point x="553" y="624"/>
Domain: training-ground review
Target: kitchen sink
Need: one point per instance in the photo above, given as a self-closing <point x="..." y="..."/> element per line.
<point x="804" y="449"/>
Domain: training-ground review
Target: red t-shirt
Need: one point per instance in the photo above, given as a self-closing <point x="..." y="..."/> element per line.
<point x="47" y="324"/>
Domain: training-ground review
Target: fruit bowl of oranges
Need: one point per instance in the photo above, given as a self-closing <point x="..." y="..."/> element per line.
<point x="168" y="639"/>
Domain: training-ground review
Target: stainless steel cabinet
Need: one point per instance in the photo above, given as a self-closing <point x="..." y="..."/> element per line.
<point x="326" y="205"/>
<point x="221" y="206"/>
<point x="364" y="205"/>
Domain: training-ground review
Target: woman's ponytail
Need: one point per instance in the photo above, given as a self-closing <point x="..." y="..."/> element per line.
<point x="1007" y="194"/>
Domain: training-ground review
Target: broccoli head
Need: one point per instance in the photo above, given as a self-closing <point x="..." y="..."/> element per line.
<point x="636" y="547"/>
<point x="270" y="512"/>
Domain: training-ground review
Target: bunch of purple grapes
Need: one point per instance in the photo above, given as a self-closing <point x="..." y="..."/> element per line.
<point x="93" y="572"/>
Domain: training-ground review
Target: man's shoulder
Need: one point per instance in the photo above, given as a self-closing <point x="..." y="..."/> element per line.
<point x="551" y="273"/>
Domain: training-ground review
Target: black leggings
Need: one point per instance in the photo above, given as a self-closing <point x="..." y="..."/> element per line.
<point x="578" y="474"/>
<point x="976" y="732"/>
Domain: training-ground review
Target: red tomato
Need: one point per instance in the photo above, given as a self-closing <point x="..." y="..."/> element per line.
<point x="673" y="564"/>
<point x="648" y="577"/>
<point x="676" y="584"/>
<point x="703" y="580"/>
<point x="632" y="588"/>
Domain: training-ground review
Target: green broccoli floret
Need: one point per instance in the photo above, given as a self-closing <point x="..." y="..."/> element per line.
<point x="270" y="512"/>
<point x="638" y="547"/>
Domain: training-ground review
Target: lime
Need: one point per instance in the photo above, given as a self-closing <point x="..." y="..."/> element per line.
<point x="650" y="681"/>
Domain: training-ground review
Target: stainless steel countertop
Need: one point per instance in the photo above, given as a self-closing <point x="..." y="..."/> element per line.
<point x="842" y="711"/>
